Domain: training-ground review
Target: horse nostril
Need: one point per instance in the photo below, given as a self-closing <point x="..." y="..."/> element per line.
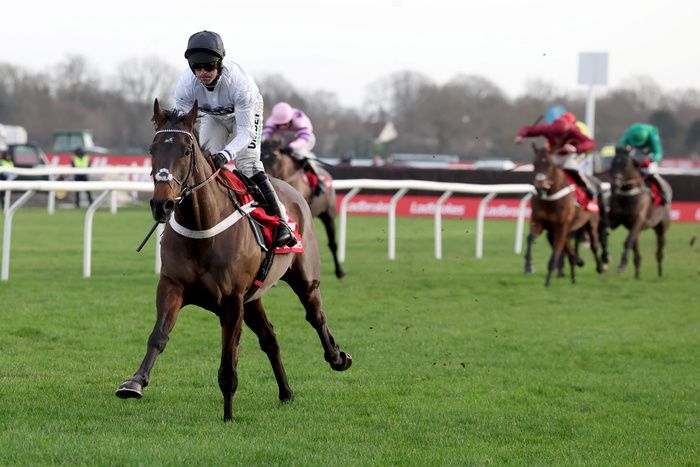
<point x="169" y="205"/>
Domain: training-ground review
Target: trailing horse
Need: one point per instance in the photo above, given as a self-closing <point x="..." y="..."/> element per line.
<point x="212" y="261"/>
<point x="632" y="205"/>
<point x="554" y="210"/>
<point x="322" y="205"/>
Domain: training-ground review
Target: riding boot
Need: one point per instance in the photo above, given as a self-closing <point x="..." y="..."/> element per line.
<point x="664" y="188"/>
<point x="283" y="235"/>
<point x="320" y="186"/>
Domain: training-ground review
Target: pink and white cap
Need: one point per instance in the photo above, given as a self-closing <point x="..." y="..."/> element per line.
<point x="281" y="113"/>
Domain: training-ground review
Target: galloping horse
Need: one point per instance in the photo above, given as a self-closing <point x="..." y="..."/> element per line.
<point x="554" y="210"/>
<point x="208" y="264"/>
<point x="631" y="205"/>
<point x="322" y="206"/>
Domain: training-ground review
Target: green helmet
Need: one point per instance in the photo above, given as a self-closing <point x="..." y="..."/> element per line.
<point x="638" y="135"/>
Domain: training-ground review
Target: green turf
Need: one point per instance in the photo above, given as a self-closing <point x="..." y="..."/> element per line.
<point x="456" y="361"/>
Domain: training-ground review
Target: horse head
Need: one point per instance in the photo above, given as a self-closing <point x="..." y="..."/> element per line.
<point x="269" y="154"/>
<point x="545" y="171"/>
<point x="174" y="155"/>
<point x="623" y="170"/>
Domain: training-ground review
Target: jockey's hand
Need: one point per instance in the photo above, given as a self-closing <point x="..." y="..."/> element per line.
<point x="219" y="159"/>
<point x="287" y="150"/>
<point x="518" y="139"/>
<point x="568" y="149"/>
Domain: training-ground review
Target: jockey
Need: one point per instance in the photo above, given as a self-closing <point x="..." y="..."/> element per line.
<point x="294" y="128"/>
<point x="647" y="152"/>
<point x="564" y="141"/>
<point x="231" y="108"/>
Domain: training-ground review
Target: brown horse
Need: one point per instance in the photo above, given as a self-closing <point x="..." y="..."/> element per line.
<point x="322" y="206"/>
<point x="554" y="210"/>
<point x="631" y="205"/>
<point x="207" y="264"/>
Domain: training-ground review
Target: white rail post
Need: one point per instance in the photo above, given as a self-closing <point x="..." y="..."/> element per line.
<point x="51" y="202"/>
<point x="7" y="232"/>
<point x="159" y="235"/>
<point x="480" y="224"/>
<point x="438" y="223"/>
<point x="520" y="225"/>
<point x="87" y="232"/>
<point x="392" y="221"/>
<point x="344" y="222"/>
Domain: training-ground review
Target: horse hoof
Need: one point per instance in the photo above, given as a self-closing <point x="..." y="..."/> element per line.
<point x="622" y="269"/>
<point x="580" y="263"/>
<point x="344" y="364"/>
<point x="529" y="269"/>
<point x="129" y="390"/>
<point x="339" y="273"/>
<point x="287" y="397"/>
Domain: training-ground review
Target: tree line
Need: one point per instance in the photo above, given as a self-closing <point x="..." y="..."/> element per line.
<point x="469" y="116"/>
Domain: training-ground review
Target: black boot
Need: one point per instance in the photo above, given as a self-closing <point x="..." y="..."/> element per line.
<point x="320" y="187"/>
<point x="283" y="235"/>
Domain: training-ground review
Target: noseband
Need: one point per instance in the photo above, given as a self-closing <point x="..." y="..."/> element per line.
<point x="165" y="176"/>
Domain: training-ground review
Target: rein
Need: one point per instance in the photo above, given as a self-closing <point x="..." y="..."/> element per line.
<point x="555" y="196"/>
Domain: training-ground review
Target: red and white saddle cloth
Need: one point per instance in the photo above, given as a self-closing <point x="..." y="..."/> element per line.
<point x="310" y="178"/>
<point x="581" y="196"/>
<point x="248" y="206"/>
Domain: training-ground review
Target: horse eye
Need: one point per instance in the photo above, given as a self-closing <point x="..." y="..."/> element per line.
<point x="188" y="152"/>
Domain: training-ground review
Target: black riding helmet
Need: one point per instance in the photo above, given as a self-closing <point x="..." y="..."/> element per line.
<point x="205" y="47"/>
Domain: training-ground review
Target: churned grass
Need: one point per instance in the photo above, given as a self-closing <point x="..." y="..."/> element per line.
<point x="456" y="361"/>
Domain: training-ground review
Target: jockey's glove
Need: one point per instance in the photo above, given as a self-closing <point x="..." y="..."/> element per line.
<point x="287" y="150"/>
<point x="219" y="159"/>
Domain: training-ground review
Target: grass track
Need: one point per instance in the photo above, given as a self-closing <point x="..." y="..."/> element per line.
<point x="458" y="361"/>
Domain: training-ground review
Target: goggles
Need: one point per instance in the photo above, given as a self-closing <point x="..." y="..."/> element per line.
<point x="205" y="66"/>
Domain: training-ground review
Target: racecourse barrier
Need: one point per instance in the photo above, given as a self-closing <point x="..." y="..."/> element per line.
<point x="111" y="187"/>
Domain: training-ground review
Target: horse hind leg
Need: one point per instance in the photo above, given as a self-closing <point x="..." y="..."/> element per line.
<point x="329" y="224"/>
<point x="256" y="319"/>
<point x="169" y="301"/>
<point x="310" y="297"/>
<point x="660" y="231"/>
<point x="573" y="255"/>
<point x="637" y="257"/>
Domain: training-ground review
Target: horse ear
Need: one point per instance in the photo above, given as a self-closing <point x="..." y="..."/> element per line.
<point x="191" y="118"/>
<point x="158" y="114"/>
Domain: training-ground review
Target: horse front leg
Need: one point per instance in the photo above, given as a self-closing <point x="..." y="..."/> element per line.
<point x="560" y="239"/>
<point x="637" y="257"/>
<point x="535" y="230"/>
<point x="571" y="252"/>
<point x="169" y="301"/>
<point x="256" y="319"/>
<point x="629" y="241"/>
<point x="329" y="224"/>
<point x="231" y="320"/>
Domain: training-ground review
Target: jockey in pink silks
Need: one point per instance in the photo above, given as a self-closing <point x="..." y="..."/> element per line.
<point x="296" y="133"/>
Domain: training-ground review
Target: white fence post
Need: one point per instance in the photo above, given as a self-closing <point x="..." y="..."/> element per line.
<point x="7" y="232"/>
<point x="344" y="222"/>
<point x="392" y="222"/>
<point x="480" y="224"/>
<point x="520" y="225"/>
<point x="438" y="223"/>
<point x="87" y="232"/>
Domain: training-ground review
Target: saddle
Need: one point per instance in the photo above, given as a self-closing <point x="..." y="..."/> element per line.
<point x="263" y="224"/>
<point x="580" y="195"/>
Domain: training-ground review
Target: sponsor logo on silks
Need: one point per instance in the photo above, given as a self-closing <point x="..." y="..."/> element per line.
<point x="253" y="144"/>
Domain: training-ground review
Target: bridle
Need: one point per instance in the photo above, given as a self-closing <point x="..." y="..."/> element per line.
<point x="165" y="176"/>
<point x="626" y="187"/>
<point x="546" y="183"/>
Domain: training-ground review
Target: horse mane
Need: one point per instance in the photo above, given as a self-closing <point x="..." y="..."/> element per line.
<point x="173" y="117"/>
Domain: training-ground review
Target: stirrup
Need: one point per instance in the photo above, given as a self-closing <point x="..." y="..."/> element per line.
<point x="284" y="236"/>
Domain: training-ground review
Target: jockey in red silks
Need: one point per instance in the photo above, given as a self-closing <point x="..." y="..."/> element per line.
<point x="295" y="130"/>
<point x="564" y="141"/>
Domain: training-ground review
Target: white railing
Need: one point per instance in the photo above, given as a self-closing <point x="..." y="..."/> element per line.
<point x="402" y="186"/>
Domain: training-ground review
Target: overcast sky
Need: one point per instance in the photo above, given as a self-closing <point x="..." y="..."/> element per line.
<point x="342" y="46"/>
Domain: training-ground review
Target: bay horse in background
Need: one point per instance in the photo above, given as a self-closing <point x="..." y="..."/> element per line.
<point x="212" y="263"/>
<point x="323" y="205"/>
<point x="554" y="210"/>
<point x="632" y="205"/>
